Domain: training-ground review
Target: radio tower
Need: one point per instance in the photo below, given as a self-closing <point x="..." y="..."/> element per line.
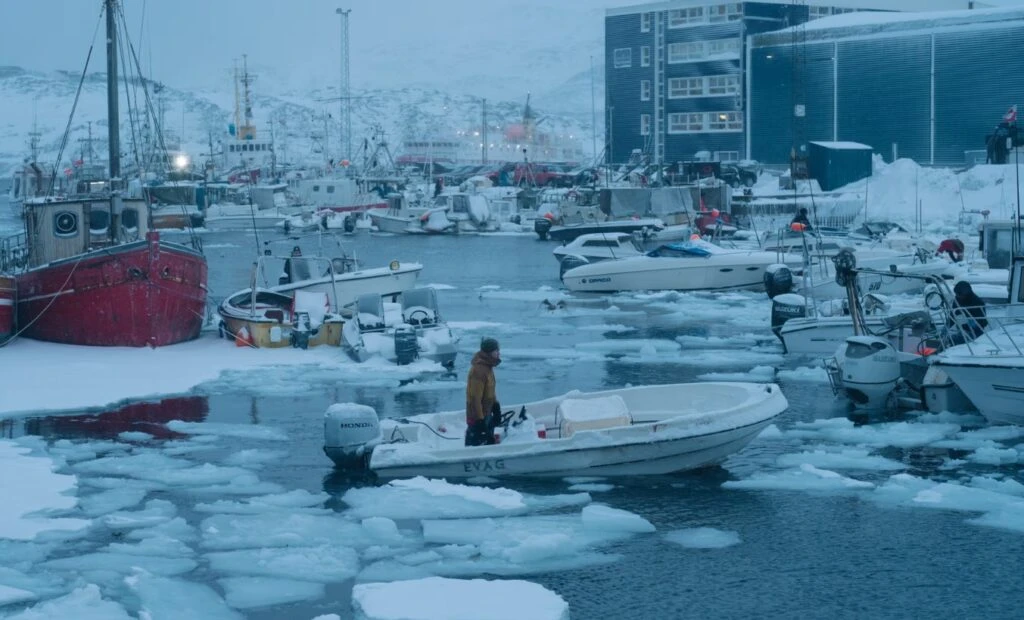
<point x="346" y="95"/>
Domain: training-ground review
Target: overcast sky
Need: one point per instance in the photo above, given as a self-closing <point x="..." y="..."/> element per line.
<point x="191" y="43"/>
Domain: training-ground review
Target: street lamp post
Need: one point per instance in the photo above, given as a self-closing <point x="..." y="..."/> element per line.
<point x="346" y="103"/>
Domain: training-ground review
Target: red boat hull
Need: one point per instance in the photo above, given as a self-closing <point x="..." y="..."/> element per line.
<point x="145" y="293"/>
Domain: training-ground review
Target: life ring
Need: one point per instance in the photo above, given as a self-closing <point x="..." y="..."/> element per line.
<point x="572" y="196"/>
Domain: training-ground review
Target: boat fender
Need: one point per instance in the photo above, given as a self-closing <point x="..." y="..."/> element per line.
<point x="778" y="280"/>
<point x="351" y="431"/>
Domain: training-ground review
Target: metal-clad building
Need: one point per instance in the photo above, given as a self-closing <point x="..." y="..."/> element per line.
<point x="928" y="86"/>
<point x="676" y="76"/>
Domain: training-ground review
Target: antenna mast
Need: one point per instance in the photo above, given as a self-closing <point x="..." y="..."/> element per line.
<point x="346" y="94"/>
<point x="113" y="122"/>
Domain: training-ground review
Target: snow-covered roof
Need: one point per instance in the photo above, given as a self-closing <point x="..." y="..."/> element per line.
<point x="850" y="146"/>
<point x="881" y="22"/>
<point x="881" y="5"/>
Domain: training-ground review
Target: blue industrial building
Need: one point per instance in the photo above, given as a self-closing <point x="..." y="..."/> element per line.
<point x="928" y="86"/>
<point x="677" y="79"/>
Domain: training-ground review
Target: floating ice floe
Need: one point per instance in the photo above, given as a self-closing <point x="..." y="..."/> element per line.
<point x="803" y="478"/>
<point x="438" y="598"/>
<point x="29" y="487"/>
<point x="755" y="374"/>
<point x="703" y="538"/>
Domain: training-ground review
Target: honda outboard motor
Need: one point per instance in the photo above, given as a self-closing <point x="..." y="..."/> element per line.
<point x="542" y="226"/>
<point x="407" y="349"/>
<point x="869" y="370"/>
<point x="350" y="433"/>
<point x="778" y="280"/>
<point x="571" y="261"/>
<point x="785" y="307"/>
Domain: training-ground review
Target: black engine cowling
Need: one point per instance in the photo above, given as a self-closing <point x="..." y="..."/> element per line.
<point x="784" y="307"/>
<point x="778" y="280"/>
<point x="541" y="226"/>
<point x="407" y="348"/>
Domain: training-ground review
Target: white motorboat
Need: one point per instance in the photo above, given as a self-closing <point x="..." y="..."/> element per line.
<point x="469" y="212"/>
<point x="400" y="332"/>
<point x="596" y="247"/>
<point x="692" y="266"/>
<point x="644" y="430"/>
<point x="990" y="371"/>
<point x="227" y="216"/>
<point x="345" y="282"/>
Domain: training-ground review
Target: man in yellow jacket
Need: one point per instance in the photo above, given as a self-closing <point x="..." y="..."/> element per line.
<point x="481" y="398"/>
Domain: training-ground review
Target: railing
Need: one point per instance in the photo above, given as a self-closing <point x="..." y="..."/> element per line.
<point x="14" y="253"/>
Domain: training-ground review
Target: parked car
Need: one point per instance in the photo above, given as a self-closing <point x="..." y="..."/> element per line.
<point x="741" y="174"/>
<point x="541" y="175"/>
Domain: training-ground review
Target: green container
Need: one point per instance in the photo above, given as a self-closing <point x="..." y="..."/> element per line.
<point x="835" y="164"/>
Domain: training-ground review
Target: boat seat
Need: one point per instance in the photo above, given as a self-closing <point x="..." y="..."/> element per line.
<point x="419" y="306"/>
<point x="275" y="314"/>
<point x="370" y="312"/>
<point x="587" y="414"/>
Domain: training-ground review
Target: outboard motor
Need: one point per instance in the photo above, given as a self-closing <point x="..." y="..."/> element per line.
<point x="350" y="433"/>
<point x="350" y="223"/>
<point x="778" y="280"/>
<point x="407" y="348"/>
<point x="300" y="334"/>
<point x="570" y="261"/>
<point x="542" y="226"/>
<point x="784" y="307"/>
<point x="868" y="370"/>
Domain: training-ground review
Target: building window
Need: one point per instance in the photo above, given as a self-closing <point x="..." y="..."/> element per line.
<point x="645" y="90"/>
<point x="645" y="124"/>
<point x="685" y="17"/>
<point x="723" y="85"/>
<point x="623" y="58"/>
<point x="681" y="88"/>
<point x="814" y="12"/>
<point x="727" y="155"/>
<point x="685" y="52"/>
<point x="685" y="122"/>
<point x="316" y="188"/>
<point x="99" y="221"/>
<point x="330" y="189"/>
<point x="645" y="22"/>
<point x="720" y="47"/>
<point x="725" y="121"/>
<point x="645" y="56"/>
<point x="725" y="12"/>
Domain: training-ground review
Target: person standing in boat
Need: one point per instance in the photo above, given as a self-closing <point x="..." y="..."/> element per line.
<point x="968" y="312"/>
<point x="481" y="396"/>
<point x="801" y="218"/>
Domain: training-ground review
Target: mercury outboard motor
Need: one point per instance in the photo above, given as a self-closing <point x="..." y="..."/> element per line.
<point x="784" y="307"/>
<point x="407" y="349"/>
<point x="778" y="280"/>
<point x="542" y="226"/>
<point x="350" y="433"/>
<point x="570" y="261"/>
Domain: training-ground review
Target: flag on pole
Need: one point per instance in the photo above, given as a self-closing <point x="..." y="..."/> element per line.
<point x="1011" y="114"/>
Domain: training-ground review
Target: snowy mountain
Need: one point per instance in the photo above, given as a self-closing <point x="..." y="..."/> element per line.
<point x="298" y="120"/>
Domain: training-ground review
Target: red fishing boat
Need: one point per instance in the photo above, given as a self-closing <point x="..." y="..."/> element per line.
<point x="89" y="270"/>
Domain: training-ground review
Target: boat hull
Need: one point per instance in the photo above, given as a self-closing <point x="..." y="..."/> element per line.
<point x="145" y="293"/>
<point x="644" y="273"/>
<point x="243" y="222"/>
<point x="820" y="336"/>
<point x="996" y="390"/>
<point x="273" y="335"/>
<point x="381" y="281"/>
<point x="642" y="458"/>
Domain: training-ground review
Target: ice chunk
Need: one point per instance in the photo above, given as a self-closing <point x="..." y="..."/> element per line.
<point x="29" y="487"/>
<point x="122" y="563"/>
<point x="162" y="546"/>
<point x="250" y="592"/>
<point x="381" y="529"/>
<point x="242" y="431"/>
<point x="851" y="458"/>
<point x="592" y="487"/>
<point x="140" y="463"/>
<point x="161" y="598"/>
<point x="85" y="603"/>
<point x="438" y="598"/>
<point x="805" y="478"/>
<point x="421" y="497"/>
<point x="99" y="504"/>
<point x="177" y="528"/>
<point x="156" y="511"/>
<point x="135" y="436"/>
<point x="326" y="563"/>
<point x="297" y="500"/>
<point x="277" y="529"/>
<point x="704" y="538"/>
<point x="9" y="595"/>
<point x="202" y="475"/>
<point x="254" y="457"/>
<point x="598" y="517"/>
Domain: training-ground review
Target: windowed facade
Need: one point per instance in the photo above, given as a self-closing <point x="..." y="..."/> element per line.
<point x="703" y="122"/>
<point x="681" y="88"/>
<point x="623" y="58"/>
<point x="645" y="124"/>
<point x="686" y="17"/>
<point x="645" y="90"/>
<point x="645" y="22"/>
<point x="645" y="56"/>
<point x="694" y="51"/>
